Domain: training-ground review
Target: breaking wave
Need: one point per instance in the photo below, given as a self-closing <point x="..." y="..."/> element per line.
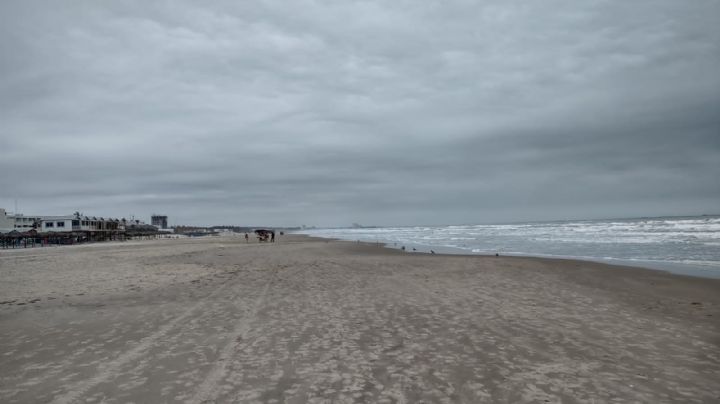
<point x="653" y="242"/>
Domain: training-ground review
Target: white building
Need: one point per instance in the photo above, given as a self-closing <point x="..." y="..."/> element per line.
<point x="21" y="223"/>
<point x="58" y="224"/>
<point x="7" y="223"/>
<point x="24" y="223"/>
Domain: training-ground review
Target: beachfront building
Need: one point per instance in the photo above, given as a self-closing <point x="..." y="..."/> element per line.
<point x="24" y="223"/>
<point x="55" y="224"/>
<point x="87" y="223"/>
<point x="7" y="224"/>
<point x="77" y="223"/>
<point x="18" y="231"/>
<point x="18" y="222"/>
<point x="130" y="224"/>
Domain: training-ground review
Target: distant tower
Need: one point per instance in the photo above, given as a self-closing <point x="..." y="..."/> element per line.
<point x="159" y="221"/>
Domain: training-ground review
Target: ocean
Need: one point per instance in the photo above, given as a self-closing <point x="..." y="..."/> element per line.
<point x="684" y="245"/>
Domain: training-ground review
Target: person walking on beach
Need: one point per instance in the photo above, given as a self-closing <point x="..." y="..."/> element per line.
<point x="272" y="236"/>
<point x="246" y="238"/>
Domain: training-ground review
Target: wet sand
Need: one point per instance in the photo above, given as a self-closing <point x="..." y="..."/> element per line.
<point x="308" y="320"/>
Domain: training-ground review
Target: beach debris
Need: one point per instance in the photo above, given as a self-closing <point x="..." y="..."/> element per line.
<point x="497" y="254"/>
<point x="414" y="249"/>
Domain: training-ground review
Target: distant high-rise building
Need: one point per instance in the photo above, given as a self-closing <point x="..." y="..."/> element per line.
<point x="159" y="221"/>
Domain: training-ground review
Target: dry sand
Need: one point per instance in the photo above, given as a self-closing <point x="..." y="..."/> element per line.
<point x="305" y="320"/>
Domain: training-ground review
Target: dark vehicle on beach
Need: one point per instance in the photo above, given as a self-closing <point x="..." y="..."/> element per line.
<point x="265" y="235"/>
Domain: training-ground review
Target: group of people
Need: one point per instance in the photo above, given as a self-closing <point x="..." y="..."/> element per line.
<point x="262" y="236"/>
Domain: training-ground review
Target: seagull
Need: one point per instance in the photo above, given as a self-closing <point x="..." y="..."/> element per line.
<point x="432" y="252"/>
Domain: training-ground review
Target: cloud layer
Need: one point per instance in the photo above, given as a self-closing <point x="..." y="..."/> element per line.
<point x="387" y="113"/>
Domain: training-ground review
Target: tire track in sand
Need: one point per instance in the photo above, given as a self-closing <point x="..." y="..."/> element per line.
<point x="207" y="390"/>
<point x="108" y="370"/>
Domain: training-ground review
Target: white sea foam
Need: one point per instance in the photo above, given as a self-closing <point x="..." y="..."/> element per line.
<point x="692" y="241"/>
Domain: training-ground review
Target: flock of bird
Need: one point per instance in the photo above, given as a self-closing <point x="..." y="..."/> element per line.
<point x="414" y="249"/>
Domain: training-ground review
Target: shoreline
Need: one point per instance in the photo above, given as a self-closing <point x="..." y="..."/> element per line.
<point x="697" y="271"/>
<point x="566" y="264"/>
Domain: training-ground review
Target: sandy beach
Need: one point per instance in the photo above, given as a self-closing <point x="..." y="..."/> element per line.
<point x="216" y="320"/>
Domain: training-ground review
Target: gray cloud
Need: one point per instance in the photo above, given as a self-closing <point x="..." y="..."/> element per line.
<point x="330" y="113"/>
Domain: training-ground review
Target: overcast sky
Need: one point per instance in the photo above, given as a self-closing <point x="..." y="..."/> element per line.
<point x="382" y="113"/>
